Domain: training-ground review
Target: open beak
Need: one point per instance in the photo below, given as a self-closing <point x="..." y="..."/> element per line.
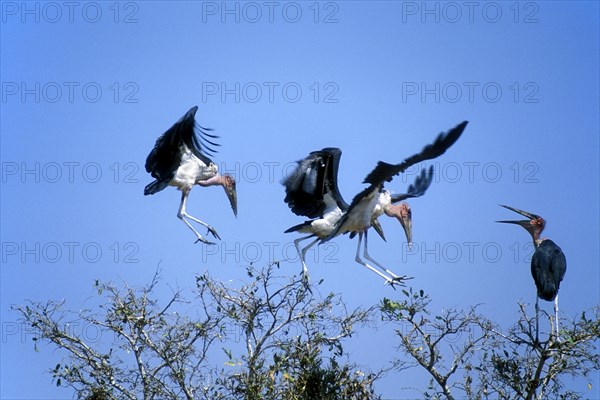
<point x="524" y="223"/>
<point x="533" y="229"/>
<point x="523" y="213"/>
<point x="232" y="196"/>
<point x="377" y="226"/>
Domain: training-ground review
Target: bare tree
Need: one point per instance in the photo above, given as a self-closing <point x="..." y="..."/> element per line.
<point x="292" y="339"/>
<point x="467" y="353"/>
<point x="155" y="351"/>
<point x="275" y="337"/>
<point x="292" y="342"/>
<point x="524" y="368"/>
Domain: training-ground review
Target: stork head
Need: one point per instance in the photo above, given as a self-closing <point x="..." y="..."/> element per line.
<point x="228" y="183"/>
<point x="534" y="224"/>
<point x="403" y="213"/>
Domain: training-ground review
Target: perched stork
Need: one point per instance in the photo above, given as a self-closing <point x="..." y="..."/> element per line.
<point x="180" y="158"/>
<point x="312" y="191"/>
<point x="548" y="264"/>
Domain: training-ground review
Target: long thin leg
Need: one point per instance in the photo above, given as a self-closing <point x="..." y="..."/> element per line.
<point x="209" y="228"/>
<point x="364" y="264"/>
<point x="537" y="319"/>
<point x="182" y="215"/>
<point x="390" y="273"/>
<point x="556" y="316"/>
<point x="302" y="252"/>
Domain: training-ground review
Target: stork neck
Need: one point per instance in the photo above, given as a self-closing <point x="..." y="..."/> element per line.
<point x="213" y="181"/>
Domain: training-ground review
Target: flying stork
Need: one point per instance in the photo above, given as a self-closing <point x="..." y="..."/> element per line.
<point x="180" y="158"/>
<point x="548" y="264"/>
<point x="312" y="191"/>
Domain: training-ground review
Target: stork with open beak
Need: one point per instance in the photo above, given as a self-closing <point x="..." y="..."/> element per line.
<point x="548" y="264"/>
<point x="312" y="191"/>
<point x="180" y="158"/>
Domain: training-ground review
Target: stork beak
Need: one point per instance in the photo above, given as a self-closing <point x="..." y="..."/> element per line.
<point x="524" y="223"/>
<point x="533" y="229"/>
<point x="402" y="213"/>
<point x="377" y="226"/>
<point x="406" y="223"/>
<point x="523" y="213"/>
<point x="231" y="194"/>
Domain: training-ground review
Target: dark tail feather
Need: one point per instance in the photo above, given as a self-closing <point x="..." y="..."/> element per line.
<point x="548" y="291"/>
<point x="155" y="187"/>
<point x="298" y="227"/>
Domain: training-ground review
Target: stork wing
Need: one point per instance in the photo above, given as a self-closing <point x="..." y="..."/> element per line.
<point x="311" y="190"/>
<point x="418" y="188"/>
<point x="548" y="267"/>
<point x="164" y="159"/>
<point x="385" y="172"/>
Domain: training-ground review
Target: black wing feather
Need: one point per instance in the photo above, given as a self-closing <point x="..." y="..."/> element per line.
<point x="385" y="172"/>
<point x="548" y="267"/>
<point x="314" y="177"/>
<point x="165" y="157"/>
<point x="418" y="188"/>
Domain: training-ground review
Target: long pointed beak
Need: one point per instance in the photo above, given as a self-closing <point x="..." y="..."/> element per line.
<point x="232" y="196"/>
<point x="523" y="213"/>
<point x="533" y="225"/>
<point x="406" y="223"/>
<point x="377" y="226"/>
<point x="523" y="223"/>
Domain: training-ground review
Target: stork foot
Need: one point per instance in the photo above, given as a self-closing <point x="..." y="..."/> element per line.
<point x="212" y="231"/>
<point x="306" y="282"/>
<point x="397" y="280"/>
<point x="203" y="240"/>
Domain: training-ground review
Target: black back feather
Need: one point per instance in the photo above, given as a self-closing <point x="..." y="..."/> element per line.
<point x="314" y="178"/>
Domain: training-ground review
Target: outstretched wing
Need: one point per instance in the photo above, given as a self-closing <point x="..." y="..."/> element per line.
<point x="164" y="159"/>
<point x="418" y="188"/>
<point x="385" y="172"/>
<point x="311" y="190"/>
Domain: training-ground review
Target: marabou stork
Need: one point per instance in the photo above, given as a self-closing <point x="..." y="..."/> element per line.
<point x="312" y="191"/>
<point x="180" y="158"/>
<point x="548" y="264"/>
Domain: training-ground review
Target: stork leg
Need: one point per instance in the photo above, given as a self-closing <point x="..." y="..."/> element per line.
<point x="556" y="316"/>
<point x="182" y="215"/>
<point x="388" y="280"/>
<point x="302" y="252"/>
<point x="390" y="273"/>
<point x="537" y="320"/>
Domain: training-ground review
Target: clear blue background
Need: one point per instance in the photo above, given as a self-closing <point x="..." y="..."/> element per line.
<point x="79" y="213"/>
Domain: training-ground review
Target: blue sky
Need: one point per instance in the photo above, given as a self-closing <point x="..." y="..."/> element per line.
<point x="87" y="89"/>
